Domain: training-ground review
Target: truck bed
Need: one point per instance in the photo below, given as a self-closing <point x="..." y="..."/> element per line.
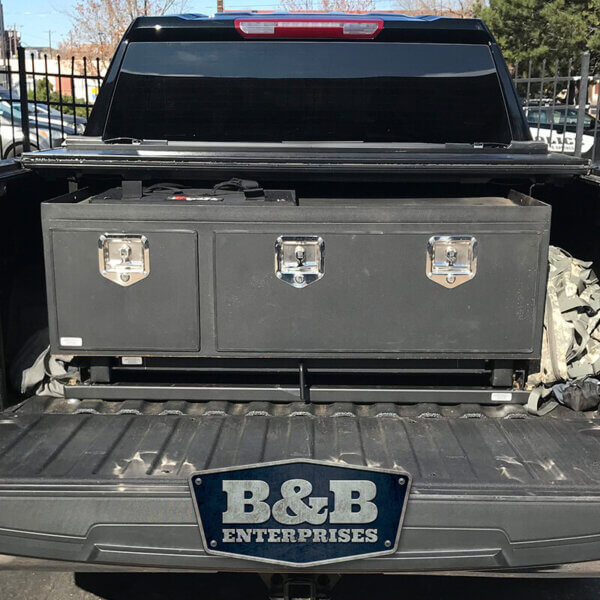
<point x="106" y="483"/>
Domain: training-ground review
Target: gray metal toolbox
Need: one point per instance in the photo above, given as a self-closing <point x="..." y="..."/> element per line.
<point x="395" y="278"/>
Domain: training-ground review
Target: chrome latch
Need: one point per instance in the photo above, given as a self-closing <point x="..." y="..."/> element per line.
<point x="299" y="260"/>
<point x="451" y="259"/>
<point x="123" y="259"/>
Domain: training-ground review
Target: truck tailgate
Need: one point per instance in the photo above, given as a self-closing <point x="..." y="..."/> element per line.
<point x="106" y="482"/>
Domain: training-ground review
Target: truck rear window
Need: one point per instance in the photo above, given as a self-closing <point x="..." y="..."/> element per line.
<point x="276" y="91"/>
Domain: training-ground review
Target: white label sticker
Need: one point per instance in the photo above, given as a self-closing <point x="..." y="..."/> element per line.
<point x="131" y="360"/>
<point x="73" y="342"/>
<point x="501" y="396"/>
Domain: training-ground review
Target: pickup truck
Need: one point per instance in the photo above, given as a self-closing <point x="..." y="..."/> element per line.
<point x="281" y="308"/>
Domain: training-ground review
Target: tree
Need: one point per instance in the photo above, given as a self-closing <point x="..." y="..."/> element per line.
<point x="328" y="5"/>
<point x="555" y="30"/>
<point x="45" y="93"/>
<point x="447" y="8"/>
<point x="98" y="25"/>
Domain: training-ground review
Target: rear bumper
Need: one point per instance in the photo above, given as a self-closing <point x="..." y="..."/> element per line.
<point x="589" y="569"/>
<point x="489" y="493"/>
<point x="157" y="528"/>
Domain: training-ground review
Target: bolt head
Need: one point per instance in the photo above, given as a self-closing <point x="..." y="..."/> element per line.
<point x="198" y="481"/>
<point x="387" y="544"/>
<point x="401" y="481"/>
<point x="213" y="544"/>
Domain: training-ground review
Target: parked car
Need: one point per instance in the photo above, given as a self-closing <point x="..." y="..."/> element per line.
<point x="11" y="134"/>
<point x="45" y="113"/>
<point x="11" y="140"/>
<point x="289" y="313"/>
<point x="556" y="125"/>
<point x="41" y="136"/>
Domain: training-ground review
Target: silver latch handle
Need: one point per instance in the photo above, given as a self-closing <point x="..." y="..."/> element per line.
<point x="123" y="258"/>
<point x="451" y="255"/>
<point x="300" y="255"/>
<point x="299" y="260"/>
<point x="125" y="252"/>
<point x="451" y="259"/>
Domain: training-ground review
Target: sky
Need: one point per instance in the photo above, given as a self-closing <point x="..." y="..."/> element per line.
<point x="35" y="18"/>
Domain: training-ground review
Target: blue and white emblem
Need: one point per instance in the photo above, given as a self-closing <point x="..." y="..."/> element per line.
<point x="300" y="513"/>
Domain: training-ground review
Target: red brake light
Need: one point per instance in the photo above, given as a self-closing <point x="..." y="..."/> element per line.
<point x="308" y="28"/>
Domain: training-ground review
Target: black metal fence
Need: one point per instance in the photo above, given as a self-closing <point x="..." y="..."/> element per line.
<point x="45" y="98"/>
<point x="562" y="104"/>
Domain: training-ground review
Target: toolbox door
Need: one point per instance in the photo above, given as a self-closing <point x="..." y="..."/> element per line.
<point x="149" y="305"/>
<point x="374" y="292"/>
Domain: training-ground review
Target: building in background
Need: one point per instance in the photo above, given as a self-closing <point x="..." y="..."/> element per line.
<point x="12" y="41"/>
<point x="39" y="52"/>
<point x="3" y="48"/>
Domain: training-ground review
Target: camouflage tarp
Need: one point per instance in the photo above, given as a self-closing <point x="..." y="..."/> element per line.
<point x="571" y="338"/>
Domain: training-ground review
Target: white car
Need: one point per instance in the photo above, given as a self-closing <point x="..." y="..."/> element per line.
<point x="11" y="139"/>
<point x="556" y="126"/>
<point x="11" y="133"/>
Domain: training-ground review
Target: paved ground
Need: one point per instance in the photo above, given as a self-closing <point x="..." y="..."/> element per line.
<point x="25" y="585"/>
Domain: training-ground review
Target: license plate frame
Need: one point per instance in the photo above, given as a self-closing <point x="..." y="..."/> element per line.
<point x="392" y="492"/>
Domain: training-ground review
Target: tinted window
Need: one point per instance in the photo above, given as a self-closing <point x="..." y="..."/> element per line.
<point x="572" y="117"/>
<point x="288" y="91"/>
<point x="564" y="116"/>
<point x="7" y="111"/>
<point x="536" y="116"/>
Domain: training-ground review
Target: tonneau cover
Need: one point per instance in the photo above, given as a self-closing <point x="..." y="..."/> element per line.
<point x="91" y="155"/>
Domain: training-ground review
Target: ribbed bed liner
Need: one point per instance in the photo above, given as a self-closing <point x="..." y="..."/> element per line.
<point x="466" y="447"/>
